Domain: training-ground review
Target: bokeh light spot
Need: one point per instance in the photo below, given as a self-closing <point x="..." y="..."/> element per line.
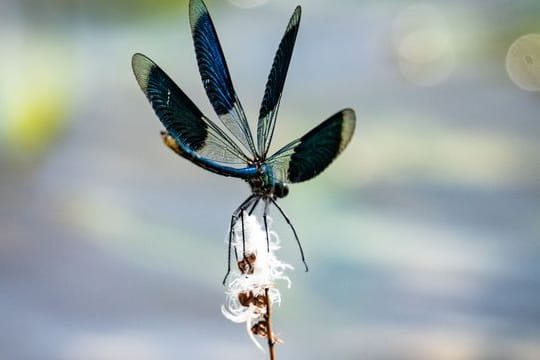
<point x="523" y="62"/>
<point x="422" y="41"/>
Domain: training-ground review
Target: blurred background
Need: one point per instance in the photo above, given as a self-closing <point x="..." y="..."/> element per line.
<point x="423" y="238"/>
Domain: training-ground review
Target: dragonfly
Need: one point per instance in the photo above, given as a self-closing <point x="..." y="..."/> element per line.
<point x="232" y="151"/>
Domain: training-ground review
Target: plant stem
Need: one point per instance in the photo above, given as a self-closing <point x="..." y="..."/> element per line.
<point x="269" y="334"/>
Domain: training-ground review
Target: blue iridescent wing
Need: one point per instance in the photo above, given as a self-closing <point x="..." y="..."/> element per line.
<point x="275" y="83"/>
<point x="308" y="156"/>
<point x="215" y="75"/>
<point x="190" y="133"/>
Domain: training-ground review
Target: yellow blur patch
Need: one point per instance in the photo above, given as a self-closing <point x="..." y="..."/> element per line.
<point x="35" y="122"/>
<point x="35" y="95"/>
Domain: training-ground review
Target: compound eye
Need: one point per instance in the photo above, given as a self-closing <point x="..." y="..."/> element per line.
<point x="285" y="190"/>
<point x="281" y="190"/>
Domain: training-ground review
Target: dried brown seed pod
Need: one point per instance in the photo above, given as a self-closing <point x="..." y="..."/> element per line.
<point x="246" y="298"/>
<point x="260" y="328"/>
<point x="245" y="267"/>
<point x="251" y="258"/>
<point x="259" y="301"/>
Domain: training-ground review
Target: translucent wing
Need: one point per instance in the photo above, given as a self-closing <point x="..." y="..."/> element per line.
<point x="274" y="85"/>
<point x="215" y="75"/>
<point x="308" y="156"/>
<point x="182" y="119"/>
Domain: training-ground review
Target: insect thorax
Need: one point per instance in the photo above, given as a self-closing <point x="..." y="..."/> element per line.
<point x="264" y="184"/>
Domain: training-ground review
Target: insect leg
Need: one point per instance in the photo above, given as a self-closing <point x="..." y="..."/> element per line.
<point x="294" y="232"/>
<point x="234" y="218"/>
<point x="243" y="236"/>
<point x="265" y="214"/>
<point x="254" y="206"/>
<point x="229" y="252"/>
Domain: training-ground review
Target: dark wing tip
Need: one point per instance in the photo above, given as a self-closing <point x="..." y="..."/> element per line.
<point x="197" y="9"/>
<point x="317" y="149"/>
<point x="348" y="125"/>
<point x="142" y="66"/>
<point x="294" y="22"/>
<point x="297" y="12"/>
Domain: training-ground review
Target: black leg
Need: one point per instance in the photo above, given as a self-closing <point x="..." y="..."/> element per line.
<point x="229" y="252"/>
<point x="236" y="254"/>
<point x="243" y="236"/>
<point x="265" y="214"/>
<point x="294" y="232"/>
<point x="234" y="218"/>
<point x="254" y="206"/>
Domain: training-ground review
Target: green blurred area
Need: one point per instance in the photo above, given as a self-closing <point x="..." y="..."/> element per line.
<point x="422" y="238"/>
<point x="100" y="10"/>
